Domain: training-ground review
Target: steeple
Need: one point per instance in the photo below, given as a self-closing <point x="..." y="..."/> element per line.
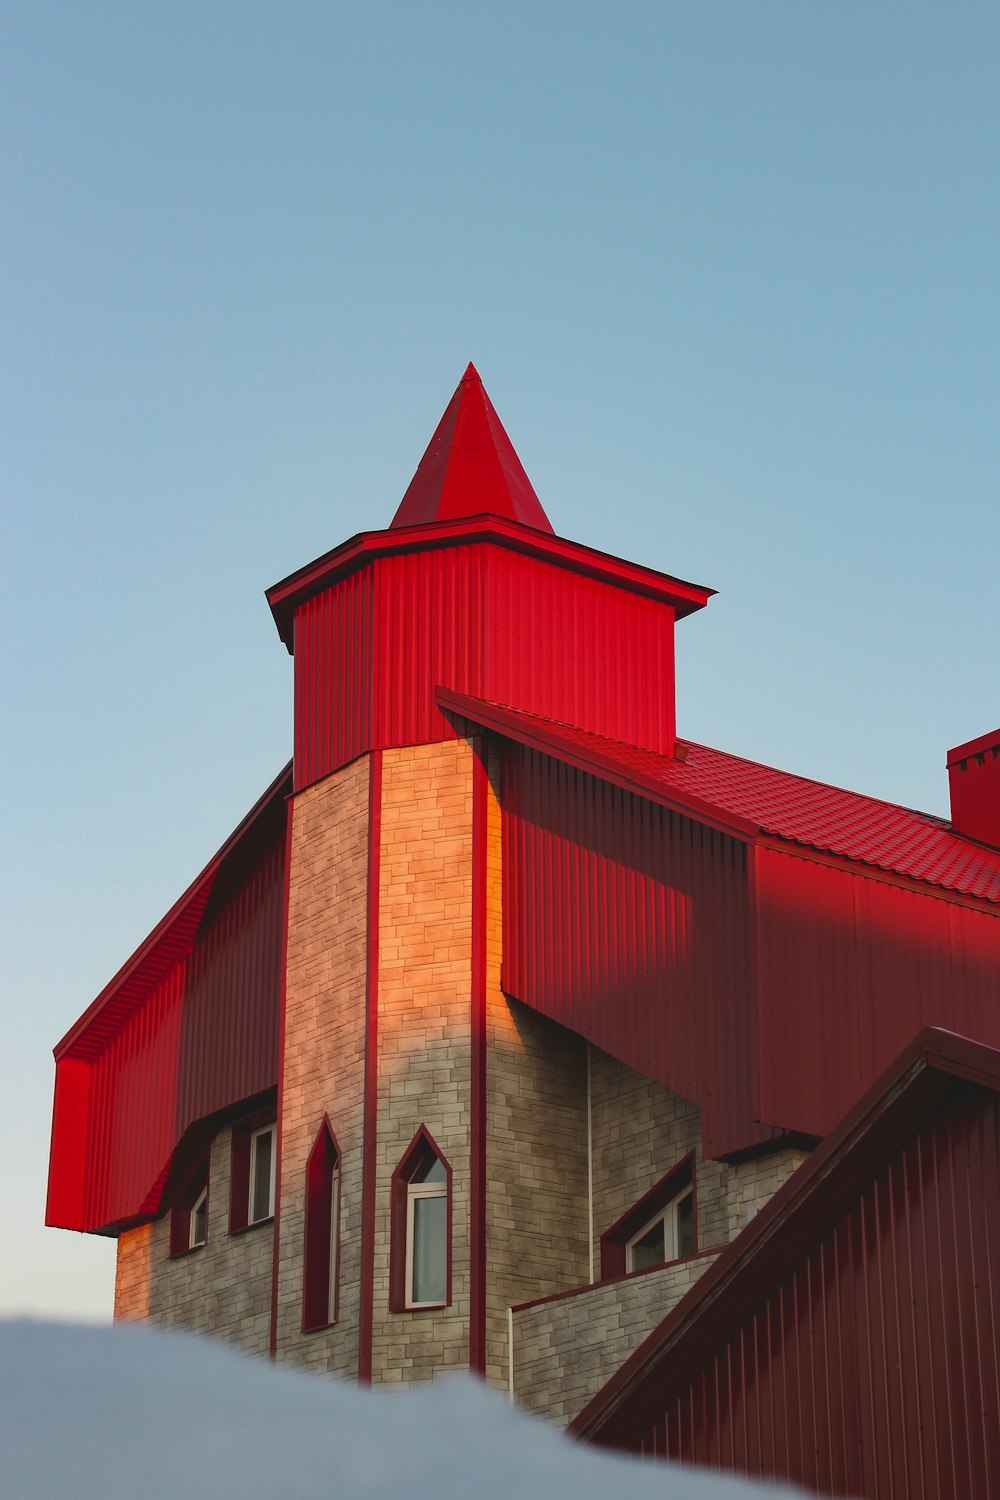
<point x="470" y="468"/>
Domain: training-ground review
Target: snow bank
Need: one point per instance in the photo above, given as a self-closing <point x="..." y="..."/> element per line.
<point x="136" y="1414"/>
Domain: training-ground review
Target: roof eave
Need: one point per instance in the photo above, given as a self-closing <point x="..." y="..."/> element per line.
<point x="284" y="596"/>
<point x="539" y="735"/>
<point x="194" y="890"/>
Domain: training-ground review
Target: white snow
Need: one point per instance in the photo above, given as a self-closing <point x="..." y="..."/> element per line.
<point x="130" y="1413"/>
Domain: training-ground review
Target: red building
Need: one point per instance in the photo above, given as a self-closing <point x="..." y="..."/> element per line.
<point x="487" y="1034"/>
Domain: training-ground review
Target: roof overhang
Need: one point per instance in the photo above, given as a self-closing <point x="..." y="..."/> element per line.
<point x="284" y="597"/>
<point x="174" y="935"/>
<point x="541" y="734"/>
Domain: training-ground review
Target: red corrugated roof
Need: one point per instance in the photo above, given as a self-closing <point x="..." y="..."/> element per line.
<point x="826" y="818"/>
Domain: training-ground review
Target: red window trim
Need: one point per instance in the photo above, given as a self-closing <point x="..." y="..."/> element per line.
<point x="615" y="1239"/>
<point x="422" y="1146"/>
<point x="322" y="1232"/>
<point x="180" y="1215"/>
<point x="239" y="1171"/>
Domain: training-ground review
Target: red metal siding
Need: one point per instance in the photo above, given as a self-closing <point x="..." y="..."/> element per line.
<point x="629" y="924"/>
<point x="849" y="968"/>
<point x="872" y="1369"/>
<point x="203" y="1037"/>
<point x="371" y="649"/>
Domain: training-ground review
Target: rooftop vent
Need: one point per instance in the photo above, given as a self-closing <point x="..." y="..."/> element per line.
<point x="974" y="782"/>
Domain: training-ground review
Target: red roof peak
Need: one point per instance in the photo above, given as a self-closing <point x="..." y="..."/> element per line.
<point x="470" y="467"/>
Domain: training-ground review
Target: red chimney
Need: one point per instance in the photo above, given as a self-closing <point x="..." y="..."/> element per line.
<point x="974" y="782"/>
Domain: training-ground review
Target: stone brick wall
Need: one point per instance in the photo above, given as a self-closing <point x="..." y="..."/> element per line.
<point x="641" y="1130"/>
<point x="324" y="1047"/>
<point x="565" y="1349"/>
<point x="424" y="1044"/>
<point x="133" y="1269"/>
<point x="223" y="1288"/>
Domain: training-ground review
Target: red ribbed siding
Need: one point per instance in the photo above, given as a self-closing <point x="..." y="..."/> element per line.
<point x="872" y="1368"/>
<point x="850" y="967"/>
<point x="202" y="1037"/>
<point x="629" y="924"/>
<point x="371" y="649"/>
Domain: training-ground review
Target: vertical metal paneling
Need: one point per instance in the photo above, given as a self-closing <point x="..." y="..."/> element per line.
<point x="628" y="924"/>
<point x="373" y="647"/>
<point x="204" y="1037"/>
<point x="872" y="1368"/>
<point x="850" y="968"/>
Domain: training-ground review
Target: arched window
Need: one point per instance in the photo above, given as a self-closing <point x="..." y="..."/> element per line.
<point x="320" y="1279"/>
<point x="421" y="1227"/>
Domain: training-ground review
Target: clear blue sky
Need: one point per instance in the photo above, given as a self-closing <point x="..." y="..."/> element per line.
<point x="729" y="272"/>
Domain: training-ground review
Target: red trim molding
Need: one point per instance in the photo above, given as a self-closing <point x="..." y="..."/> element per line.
<point x="477" y="1162"/>
<point x="282" y="999"/>
<point x="366" y="1319"/>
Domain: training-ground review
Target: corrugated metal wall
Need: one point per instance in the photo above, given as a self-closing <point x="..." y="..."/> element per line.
<point x="850" y="968"/>
<point x="629" y="924"/>
<point x="872" y="1369"/>
<point x="481" y="619"/>
<point x="203" y="1037"/>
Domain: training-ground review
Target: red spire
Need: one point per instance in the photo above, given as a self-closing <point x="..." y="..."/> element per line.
<point x="470" y="468"/>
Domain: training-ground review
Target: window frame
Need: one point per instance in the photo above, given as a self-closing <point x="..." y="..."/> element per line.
<point x="668" y="1192"/>
<point x="668" y="1216"/>
<point x="241" y="1171"/>
<point x="270" y="1130"/>
<point x="201" y="1202"/>
<point x="405" y="1194"/>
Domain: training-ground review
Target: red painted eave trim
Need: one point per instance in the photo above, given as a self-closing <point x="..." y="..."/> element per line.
<point x="200" y="886"/>
<point x="747" y="1269"/>
<point x="538" y="734"/>
<point x="285" y="596"/>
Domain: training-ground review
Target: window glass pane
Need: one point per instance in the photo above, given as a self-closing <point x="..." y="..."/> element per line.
<point x="649" y="1249"/>
<point x="430" y="1171"/>
<point x="260" y="1188"/>
<point x="430" y="1259"/>
<point x="685" y="1225"/>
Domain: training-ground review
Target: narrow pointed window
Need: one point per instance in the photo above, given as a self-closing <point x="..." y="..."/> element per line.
<point x="421" y="1227"/>
<point x="320" y="1279"/>
<point x="189" y="1216"/>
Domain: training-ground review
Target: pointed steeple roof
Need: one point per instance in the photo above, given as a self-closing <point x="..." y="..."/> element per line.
<point x="470" y="468"/>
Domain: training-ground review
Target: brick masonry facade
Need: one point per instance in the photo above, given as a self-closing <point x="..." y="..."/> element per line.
<point x="566" y="1348"/>
<point x="223" y="1288"/>
<point x="324" y="1047"/>
<point x="424" y="1031"/>
<point x="548" y="1099"/>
